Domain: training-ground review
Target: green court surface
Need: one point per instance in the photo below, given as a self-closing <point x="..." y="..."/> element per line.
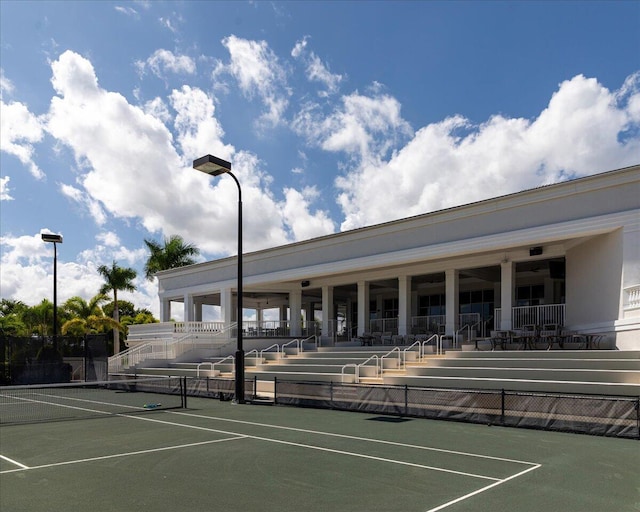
<point x="216" y="456"/>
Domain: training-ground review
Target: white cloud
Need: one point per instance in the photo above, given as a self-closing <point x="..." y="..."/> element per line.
<point x="163" y="61"/>
<point x="302" y="223"/>
<point x="4" y="189"/>
<point x="139" y="171"/>
<point x="364" y="127"/>
<point x="92" y="206"/>
<point x="196" y="124"/>
<point x="19" y="131"/>
<point x="158" y="109"/>
<point x="6" y="85"/>
<point x="129" y="11"/>
<point x="454" y="162"/>
<point x="26" y="272"/>
<point x="317" y="70"/>
<point x="259" y="73"/>
<point x="108" y="238"/>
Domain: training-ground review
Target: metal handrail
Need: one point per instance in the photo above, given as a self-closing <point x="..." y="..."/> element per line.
<point x="246" y="356"/>
<point x="372" y="358"/>
<point x="349" y="365"/>
<point x="421" y="344"/>
<point x="455" y="338"/>
<point x="296" y="341"/>
<point x="315" y="340"/>
<point x="200" y="364"/>
<point x="410" y="347"/>
<point x="221" y="361"/>
<point x="269" y="348"/>
<point x="394" y="349"/>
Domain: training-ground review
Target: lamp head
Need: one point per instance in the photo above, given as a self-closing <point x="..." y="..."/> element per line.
<point x="212" y="165"/>
<point x="50" y="237"/>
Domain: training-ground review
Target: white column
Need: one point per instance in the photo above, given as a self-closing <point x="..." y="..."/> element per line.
<point x="226" y="306"/>
<point x="327" y="311"/>
<point x="309" y="307"/>
<point x="295" y="309"/>
<point x="404" y="304"/>
<point x="363" y="307"/>
<point x="452" y="300"/>
<point x="198" y="310"/>
<point x="165" y="310"/>
<point x="188" y="307"/>
<point x="507" y="294"/>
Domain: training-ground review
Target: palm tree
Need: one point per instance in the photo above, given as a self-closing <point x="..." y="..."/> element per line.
<point x="117" y="278"/>
<point x="88" y="317"/>
<point x="175" y="253"/>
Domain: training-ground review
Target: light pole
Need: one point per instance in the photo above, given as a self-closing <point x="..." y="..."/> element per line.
<point x="54" y="239"/>
<point x="215" y="166"/>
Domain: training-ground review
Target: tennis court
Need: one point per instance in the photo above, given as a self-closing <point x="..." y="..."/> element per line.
<point x="214" y="455"/>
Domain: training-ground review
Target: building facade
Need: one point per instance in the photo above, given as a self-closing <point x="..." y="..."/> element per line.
<point x="566" y="254"/>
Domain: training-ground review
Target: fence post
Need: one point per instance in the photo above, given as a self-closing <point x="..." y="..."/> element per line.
<point x="502" y="408"/>
<point x="406" y="400"/>
<point x="638" y="416"/>
<point x="255" y="386"/>
<point x="331" y="393"/>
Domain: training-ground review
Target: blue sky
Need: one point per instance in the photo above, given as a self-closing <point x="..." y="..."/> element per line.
<point x="335" y="115"/>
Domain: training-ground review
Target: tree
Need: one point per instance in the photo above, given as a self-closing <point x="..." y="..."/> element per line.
<point x="175" y="253"/>
<point x="88" y="317"/>
<point x="39" y="318"/>
<point x="11" y="318"/>
<point x="116" y="279"/>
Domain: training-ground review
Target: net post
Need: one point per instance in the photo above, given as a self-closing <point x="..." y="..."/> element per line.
<point x="255" y="387"/>
<point x="502" y="407"/>
<point x="183" y="383"/>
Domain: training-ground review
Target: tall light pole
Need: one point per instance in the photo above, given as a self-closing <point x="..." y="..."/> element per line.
<point x="215" y="166"/>
<point x="54" y="239"/>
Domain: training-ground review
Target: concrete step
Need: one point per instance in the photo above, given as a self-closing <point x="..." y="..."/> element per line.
<point x="550" y="354"/>
<point x="539" y="362"/>
<point x="302" y="376"/>
<point x="524" y="385"/>
<point x="555" y="374"/>
<point x="345" y="354"/>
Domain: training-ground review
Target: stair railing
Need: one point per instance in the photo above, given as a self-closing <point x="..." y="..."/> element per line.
<point x="390" y="354"/>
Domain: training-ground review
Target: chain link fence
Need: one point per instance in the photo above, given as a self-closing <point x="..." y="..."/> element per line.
<point x="594" y="415"/>
<point x="33" y="360"/>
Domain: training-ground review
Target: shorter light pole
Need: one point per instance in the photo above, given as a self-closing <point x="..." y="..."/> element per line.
<point x="215" y="166"/>
<point x="54" y="239"/>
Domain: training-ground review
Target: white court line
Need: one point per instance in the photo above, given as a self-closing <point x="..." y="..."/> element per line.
<point x="313" y="447"/>
<point x="483" y="489"/>
<point x="356" y="438"/>
<point x="353" y="454"/>
<point x="115" y="455"/>
<point x="15" y="462"/>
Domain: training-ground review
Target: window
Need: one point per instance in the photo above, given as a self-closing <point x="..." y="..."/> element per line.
<point x="530" y="295"/>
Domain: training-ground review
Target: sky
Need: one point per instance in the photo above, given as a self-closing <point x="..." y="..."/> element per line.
<point x="335" y="115"/>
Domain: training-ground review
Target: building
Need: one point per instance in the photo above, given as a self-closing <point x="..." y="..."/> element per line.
<point x="566" y="254"/>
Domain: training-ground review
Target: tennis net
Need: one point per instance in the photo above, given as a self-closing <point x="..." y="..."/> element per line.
<point x="56" y="402"/>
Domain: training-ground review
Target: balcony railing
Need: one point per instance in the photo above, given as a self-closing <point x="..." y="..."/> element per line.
<point x="632" y="297"/>
<point x="533" y="315"/>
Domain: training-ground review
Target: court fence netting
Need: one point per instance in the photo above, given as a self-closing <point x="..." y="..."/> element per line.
<point x="82" y="400"/>
<point x="610" y="416"/>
